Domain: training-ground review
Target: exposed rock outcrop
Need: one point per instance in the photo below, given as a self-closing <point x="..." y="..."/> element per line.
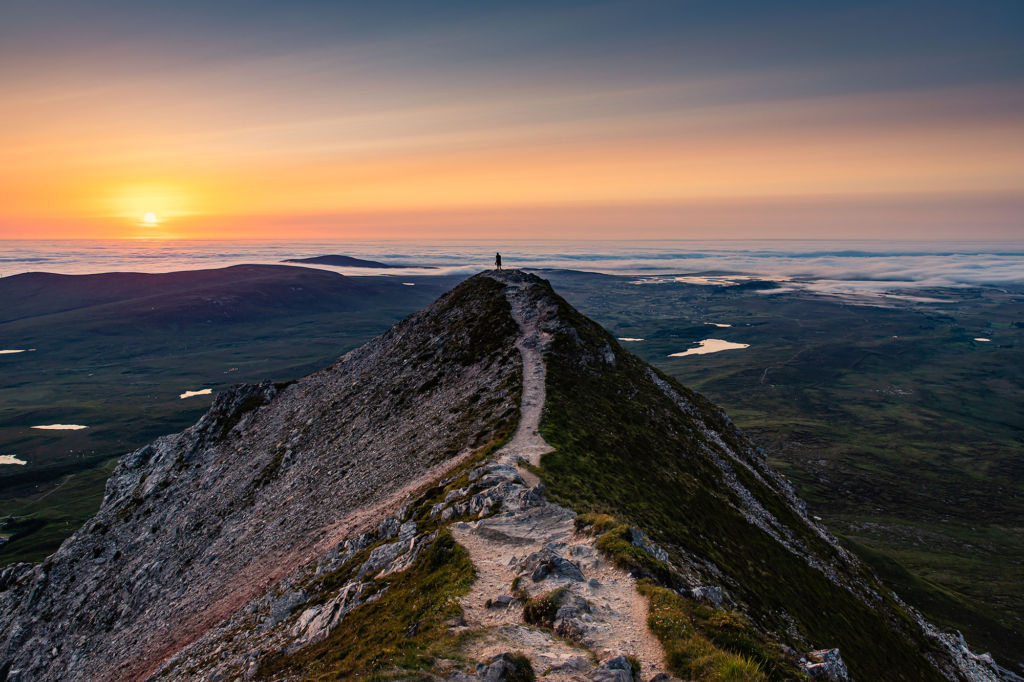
<point x="826" y="664"/>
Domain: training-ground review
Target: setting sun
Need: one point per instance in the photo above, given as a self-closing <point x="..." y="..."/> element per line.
<point x="149" y="218"/>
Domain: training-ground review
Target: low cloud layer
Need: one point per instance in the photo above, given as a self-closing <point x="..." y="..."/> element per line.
<point x="821" y="266"/>
<point x="877" y="269"/>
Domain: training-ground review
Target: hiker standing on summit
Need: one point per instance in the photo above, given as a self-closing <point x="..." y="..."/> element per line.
<point x="497" y="260"/>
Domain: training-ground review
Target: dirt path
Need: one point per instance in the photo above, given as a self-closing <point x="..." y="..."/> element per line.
<point x="505" y="547"/>
<point x="616" y="617"/>
<point x="527" y="443"/>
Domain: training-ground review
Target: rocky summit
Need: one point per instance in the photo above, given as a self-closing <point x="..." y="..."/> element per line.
<point x="492" y="490"/>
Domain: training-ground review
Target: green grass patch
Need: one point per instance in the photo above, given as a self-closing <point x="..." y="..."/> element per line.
<point x="595" y="523"/>
<point x="711" y="644"/>
<point x="403" y="632"/>
<point x="617" y="545"/>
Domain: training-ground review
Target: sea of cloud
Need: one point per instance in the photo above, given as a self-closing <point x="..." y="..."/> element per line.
<point x="876" y="270"/>
<point x="869" y="268"/>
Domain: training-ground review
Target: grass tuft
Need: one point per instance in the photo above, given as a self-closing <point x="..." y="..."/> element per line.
<point x="595" y="523"/>
<point x="711" y="644"/>
<point x="541" y="610"/>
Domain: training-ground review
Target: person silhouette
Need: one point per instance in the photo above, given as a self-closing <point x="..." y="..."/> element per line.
<point x="497" y="260"/>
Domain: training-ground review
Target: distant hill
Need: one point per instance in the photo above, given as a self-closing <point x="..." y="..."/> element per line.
<point x="199" y="296"/>
<point x="346" y="261"/>
<point x="204" y="292"/>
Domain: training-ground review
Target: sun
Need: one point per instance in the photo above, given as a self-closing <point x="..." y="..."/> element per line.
<point x="149" y="218"/>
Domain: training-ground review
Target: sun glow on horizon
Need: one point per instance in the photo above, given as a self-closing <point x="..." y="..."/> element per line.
<point x="151" y="227"/>
<point x="521" y="114"/>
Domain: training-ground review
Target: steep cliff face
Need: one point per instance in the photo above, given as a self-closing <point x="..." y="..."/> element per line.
<point x="491" y="488"/>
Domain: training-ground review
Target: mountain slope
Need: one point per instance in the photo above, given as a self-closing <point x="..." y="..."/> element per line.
<point x="114" y="351"/>
<point x="198" y="523"/>
<point x="634" y="443"/>
<point x="385" y="517"/>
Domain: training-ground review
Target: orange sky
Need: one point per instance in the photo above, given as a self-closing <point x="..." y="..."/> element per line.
<point x="327" y="142"/>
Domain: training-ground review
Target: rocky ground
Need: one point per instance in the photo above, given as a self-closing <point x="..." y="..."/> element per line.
<point x="531" y="548"/>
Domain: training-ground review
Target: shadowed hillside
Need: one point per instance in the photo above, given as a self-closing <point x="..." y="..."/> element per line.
<point x="114" y="351"/>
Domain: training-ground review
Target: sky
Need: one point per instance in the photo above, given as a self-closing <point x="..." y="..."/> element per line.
<point x="572" y="120"/>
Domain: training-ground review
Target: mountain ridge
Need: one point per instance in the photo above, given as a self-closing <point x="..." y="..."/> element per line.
<point x="272" y="583"/>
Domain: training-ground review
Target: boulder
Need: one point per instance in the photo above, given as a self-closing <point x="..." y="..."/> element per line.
<point x="405" y="559"/>
<point x="640" y="539"/>
<point x="601" y="675"/>
<point x="316" y="622"/>
<point x="825" y="664"/>
<point x="711" y="594"/>
<point x="572" y="629"/>
<point x="620" y="662"/>
<point x="506" y="667"/>
<point x="573" y="664"/>
<point x="283" y="606"/>
<point x="407" y="530"/>
<point x="547" y="562"/>
<point x="388" y="529"/>
<point x="381" y="557"/>
<point x="568" y="610"/>
<point x="615" y="669"/>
